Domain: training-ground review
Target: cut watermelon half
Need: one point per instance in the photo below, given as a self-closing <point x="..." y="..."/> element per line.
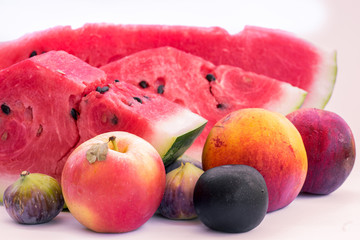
<point x="170" y="128"/>
<point x="39" y="100"/>
<point x="273" y="53"/>
<point x="208" y="90"/>
<point x="52" y="102"/>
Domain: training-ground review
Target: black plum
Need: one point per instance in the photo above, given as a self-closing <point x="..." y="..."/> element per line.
<point x="231" y="198"/>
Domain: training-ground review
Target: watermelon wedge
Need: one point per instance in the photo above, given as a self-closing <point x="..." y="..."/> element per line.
<point x="170" y="128"/>
<point x="273" y="53"/>
<point x="208" y="90"/>
<point x="52" y="102"/>
<point x="39" y="100"/>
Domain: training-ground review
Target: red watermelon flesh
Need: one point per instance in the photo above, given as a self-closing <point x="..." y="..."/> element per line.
<point x="53" y="102"/>
<point x="269" y="52"/>
<point x="39" y="100"/>
<point x="186" y="79"/>
<point x="173" y="74"/>
<point x="170" y="128"/>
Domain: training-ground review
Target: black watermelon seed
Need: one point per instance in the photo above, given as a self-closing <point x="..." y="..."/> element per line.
<point x="5" y="109"/>
<point x="74" y="113"/>
<point x="105" y="89"/>
<point x="102" y="90"/>
<point x="160" y="89"/>
<point x="137" y="99"/>
<point x="32" y="54"/>
<point x="220" y="105"/>
<point x="114" y="120"/>
<point x="39" y="131"/>
<point x="143" y="84"/>
<point x="116" y="80"/>
<point x="210" y="77"/>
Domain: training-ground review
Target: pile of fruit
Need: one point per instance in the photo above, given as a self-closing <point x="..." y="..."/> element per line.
<point x="121" y="122"/>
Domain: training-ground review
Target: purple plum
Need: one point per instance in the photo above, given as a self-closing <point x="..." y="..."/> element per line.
<point x="330" y="148"/>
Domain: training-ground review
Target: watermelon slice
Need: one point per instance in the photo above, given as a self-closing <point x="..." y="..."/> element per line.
<point x="52" y="102"/>
<point x="208" y="90"/>
<point x="39" y="100"/>
<point x="274" y="53"/>
<point x="170" y="128"/>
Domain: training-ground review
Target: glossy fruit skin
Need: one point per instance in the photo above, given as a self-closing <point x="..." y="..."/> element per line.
<point x="231" y="198"/>
<point x="34" y="198"/>
<point x="183" y="160"/>
<point x="177" y="202"/>
<point x="265" y="140"/>
<point x="330" y="147"/>
<point x="121" y="192"/>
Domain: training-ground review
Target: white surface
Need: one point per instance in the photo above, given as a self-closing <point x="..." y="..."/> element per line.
<point x="330" y="24"/>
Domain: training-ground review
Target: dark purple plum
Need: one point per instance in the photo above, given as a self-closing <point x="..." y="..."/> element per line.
<point x="330" y="148"/>
<point x="34" y="198"/>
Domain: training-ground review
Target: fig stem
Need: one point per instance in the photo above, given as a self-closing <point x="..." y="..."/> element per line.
<point x="112" y="140"/>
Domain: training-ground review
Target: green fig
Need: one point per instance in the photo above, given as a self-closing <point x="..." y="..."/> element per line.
<point x="177" y="202"/>
<point x="34" y="198"/>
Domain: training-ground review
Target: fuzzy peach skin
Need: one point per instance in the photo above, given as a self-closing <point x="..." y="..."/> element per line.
<point x="118" y="194"/>
<point x="265" y="140"/>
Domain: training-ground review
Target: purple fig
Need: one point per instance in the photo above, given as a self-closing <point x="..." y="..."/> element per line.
<point x="177" y="202"/>
<point x="34" y="198"/>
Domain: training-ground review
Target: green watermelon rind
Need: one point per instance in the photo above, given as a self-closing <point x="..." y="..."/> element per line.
<point x="301" y="99"/>
<point x="321" y="92"/>
<point x="300" y="102"/>
<point x="181" y="144"/>
<point x="334" y="74"/>
<point x="291" y="100"/>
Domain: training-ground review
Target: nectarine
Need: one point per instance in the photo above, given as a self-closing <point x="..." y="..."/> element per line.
<point x="265" y="140"/>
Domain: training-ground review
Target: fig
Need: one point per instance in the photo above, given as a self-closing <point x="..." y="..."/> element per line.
<point x="177" y="202"/>
<point x="34" y="198"/>
<point x="231" y="198"/>
<point x="182" y="160"/>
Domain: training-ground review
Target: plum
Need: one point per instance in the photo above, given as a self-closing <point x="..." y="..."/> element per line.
<point x="330" y="148"/>
<point x="231" y="198"/>
<point x="34" y="198"/>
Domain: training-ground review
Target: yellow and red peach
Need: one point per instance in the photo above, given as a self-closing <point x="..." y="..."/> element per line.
<point x="113" y="182"/>
<point x="330" y="148"/>
<point x="265" y="140"/>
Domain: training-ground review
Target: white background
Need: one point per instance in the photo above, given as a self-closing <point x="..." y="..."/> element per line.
<point x="329" y="24"/>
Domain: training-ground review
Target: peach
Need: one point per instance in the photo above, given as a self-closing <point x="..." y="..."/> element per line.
<point x="265" y="140"/>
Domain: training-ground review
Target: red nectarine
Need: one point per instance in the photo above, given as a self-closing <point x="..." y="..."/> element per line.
<point x="265" y="140"/>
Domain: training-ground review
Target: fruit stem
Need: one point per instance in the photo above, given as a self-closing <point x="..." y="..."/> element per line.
<point x="24" y="173"/>
<point x="112" y="140"/>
